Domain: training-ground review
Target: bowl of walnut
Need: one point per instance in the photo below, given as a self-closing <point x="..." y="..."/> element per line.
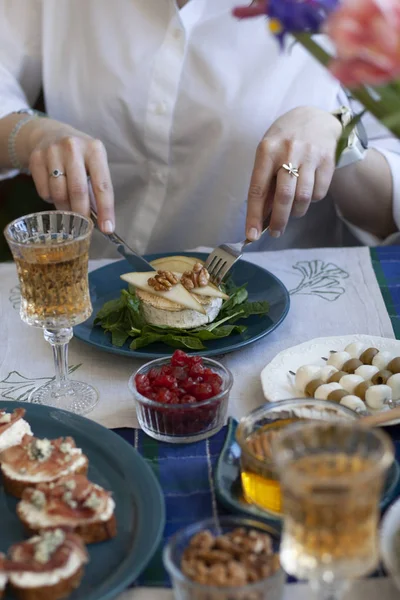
<point x="231" y="558"/>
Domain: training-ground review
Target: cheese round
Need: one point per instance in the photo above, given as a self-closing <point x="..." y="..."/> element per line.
<point x="165" y="313"/>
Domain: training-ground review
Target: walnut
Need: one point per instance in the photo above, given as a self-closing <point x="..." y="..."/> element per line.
<point x="163" y="281"/>
<point x="197" y="277"/>
<point x="236" y="559"/>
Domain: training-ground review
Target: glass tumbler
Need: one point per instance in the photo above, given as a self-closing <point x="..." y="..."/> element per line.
<point x="331" y="477"/>
<point x="51" y="252"/>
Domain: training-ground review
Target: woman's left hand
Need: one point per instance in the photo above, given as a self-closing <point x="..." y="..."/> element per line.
<point x="306" y="137"/>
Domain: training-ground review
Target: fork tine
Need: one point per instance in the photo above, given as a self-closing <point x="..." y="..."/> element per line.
<point x="217" y="273"/>
<point x="224" y="270"/>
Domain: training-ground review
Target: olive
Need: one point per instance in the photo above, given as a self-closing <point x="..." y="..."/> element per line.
<point x="394" y="365"/>
<point x="367" y="356"/>
<point x="381" y="377"/>
<point x="361" y="389"/>
<point x="312" y="386"/>
<point x="351" y="365"/>
<point x="336" y="377"/>
<point x="337" y="395"/>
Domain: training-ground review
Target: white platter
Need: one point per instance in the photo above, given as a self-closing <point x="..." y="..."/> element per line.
<point x="278" y="384"/>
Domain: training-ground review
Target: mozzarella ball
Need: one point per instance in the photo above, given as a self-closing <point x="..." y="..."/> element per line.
<point x="394" y="383"/>
<point x="327" y="372"/>
<point x="378" y="395"/>
<point x="353" y="402"/>
<point x="381" y="360"/>
<point x="355" y="349"/>
<point x="324" y="390"/>
<point x="350" y="382"/>
<point x="366" y="372"/>
<point x="306" y="374"/>
<point x="337" y="359"/>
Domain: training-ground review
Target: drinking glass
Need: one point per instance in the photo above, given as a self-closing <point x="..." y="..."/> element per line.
<point x="50" y="250"/>
<point x="331" y="477"/>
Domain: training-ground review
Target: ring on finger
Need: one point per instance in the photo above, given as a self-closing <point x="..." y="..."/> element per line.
<point x="57" y="173"/>
<point x="291" y="169"/>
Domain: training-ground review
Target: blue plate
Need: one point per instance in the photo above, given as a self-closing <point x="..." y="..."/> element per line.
<point x="228" y="486"/>
<point x="116" y="466"/>
<point x="105" y="284"/>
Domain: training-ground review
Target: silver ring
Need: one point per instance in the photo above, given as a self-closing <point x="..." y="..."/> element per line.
<point x="294" y="171"/>
<point x="57" y="173"/>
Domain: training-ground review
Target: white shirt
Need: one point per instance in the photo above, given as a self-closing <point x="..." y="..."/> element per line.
<point x="180" y="98"/>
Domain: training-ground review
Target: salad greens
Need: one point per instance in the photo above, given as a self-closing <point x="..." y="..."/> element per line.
<point x="123" y="319"/>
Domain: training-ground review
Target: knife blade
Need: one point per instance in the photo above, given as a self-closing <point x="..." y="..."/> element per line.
<point x="134" y="259"/>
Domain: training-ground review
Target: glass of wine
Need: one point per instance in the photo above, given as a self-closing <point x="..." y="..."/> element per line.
<point x="331" y="476"/>
<point x="51" y="252"/>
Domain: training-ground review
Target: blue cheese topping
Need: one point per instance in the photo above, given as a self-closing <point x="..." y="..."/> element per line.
<point x="70" y="485"/>
<point x="93" y="502"/>
<point x="38" y="499"/>
<point x="49" y="542"/>
<point x="40" y="450"/>
<point x="5" y="418"/>
<point x="68" y="499"/>
<point x="66" y="448"/>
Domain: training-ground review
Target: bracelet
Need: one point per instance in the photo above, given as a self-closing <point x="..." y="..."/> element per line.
<point x="12" y="139"/>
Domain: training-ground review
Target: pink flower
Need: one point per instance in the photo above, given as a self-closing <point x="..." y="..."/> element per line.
<point x="255" y="9"/>
<point x="367" y="37"/>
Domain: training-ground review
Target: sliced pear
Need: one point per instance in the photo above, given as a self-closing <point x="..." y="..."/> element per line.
<point x="177" y="293"/>
<point x="180" y="264"/>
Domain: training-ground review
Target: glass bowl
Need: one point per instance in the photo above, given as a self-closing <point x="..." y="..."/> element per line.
<point x="259" y="476"/>
<point x="182" y="423"/>
<point x="270" y="588"/>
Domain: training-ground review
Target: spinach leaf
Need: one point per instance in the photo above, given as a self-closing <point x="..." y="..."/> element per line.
<point x="119" y="337"/>
<point x="145" y="340"/>
<point x="183" y="341"/>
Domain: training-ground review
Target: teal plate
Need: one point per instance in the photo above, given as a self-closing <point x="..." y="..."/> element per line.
<point x="105" y="284"/>
<point x="116" y="466"/>
<point x="228" y="486"/>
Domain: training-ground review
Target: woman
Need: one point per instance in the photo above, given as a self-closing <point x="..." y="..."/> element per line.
<point x="180" y="112"/>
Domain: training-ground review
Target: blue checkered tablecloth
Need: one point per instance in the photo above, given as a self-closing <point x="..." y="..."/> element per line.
<point x="185" y="472"/>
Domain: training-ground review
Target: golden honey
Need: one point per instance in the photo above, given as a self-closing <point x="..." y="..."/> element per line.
<point x="259" y="479"/>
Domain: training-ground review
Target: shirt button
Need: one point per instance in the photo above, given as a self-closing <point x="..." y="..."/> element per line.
<point x="161" y="108"/>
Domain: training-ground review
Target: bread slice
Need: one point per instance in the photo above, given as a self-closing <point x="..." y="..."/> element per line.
<point x="47" y="567"/>
<point x="37" y="461"/>
<point x="72" y="502"/>
<point x="13" y="427"/>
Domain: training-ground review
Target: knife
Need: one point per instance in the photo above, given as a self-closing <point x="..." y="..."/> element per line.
<point x="135" y="260"/>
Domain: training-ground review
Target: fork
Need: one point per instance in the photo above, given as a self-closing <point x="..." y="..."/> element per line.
<point x="222" y="258"/>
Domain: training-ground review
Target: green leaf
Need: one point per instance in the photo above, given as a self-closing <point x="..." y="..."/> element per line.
<point x="119" y="337"/>
<point x="344" y="138"/>
<point x="183" y="341"/>
<point x="145" y="340"/>
<point x="220" y="332"/>
<point x="109" y="308"/>
<point x="239" y="296"/>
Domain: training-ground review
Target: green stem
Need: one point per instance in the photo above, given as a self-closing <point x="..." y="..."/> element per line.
<point x="388" y="103"/>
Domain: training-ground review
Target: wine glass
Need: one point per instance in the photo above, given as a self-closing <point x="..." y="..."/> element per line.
<point x="331" y="475"/>
<point x="51" y="252"/>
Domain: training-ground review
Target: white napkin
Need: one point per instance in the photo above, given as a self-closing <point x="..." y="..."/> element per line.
<point x="333" y="292"/>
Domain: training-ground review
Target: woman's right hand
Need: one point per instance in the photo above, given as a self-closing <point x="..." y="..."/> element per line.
<point x="56" y="146"/>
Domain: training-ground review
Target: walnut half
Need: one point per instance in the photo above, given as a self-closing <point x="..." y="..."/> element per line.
<point x="197" y="277"/>
<point x="163" y="281"/>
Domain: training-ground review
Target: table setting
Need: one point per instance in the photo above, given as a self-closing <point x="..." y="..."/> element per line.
<point x="205" y="440"/>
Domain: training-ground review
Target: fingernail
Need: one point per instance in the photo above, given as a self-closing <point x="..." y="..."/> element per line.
<point x="108" y="226"/>
<point x="275" y="234"/>
<point x="253" y="234"/>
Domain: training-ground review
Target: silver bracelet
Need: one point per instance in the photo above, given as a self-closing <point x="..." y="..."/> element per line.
<point x="12" y="139"/>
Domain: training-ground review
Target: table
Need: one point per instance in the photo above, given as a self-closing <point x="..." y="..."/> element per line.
<point x="333" y="292"/>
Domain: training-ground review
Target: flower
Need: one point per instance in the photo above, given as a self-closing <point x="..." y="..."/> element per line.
<point x="367" y="38"/>
<point x="289" y="16"/>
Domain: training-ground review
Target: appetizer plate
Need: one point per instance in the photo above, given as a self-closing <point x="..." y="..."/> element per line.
<point x="229" y="488"/>
<point x="116" y="466"/>
<point x="105" y="284"/>
<point x="278" y="384"/>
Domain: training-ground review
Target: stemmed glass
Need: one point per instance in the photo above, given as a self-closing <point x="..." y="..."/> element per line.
<point x="331" y="476"/>
<point x="51" y="252"/>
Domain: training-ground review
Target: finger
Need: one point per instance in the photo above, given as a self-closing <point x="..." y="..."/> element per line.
<point x="258" y="190"/>
<point x="304" y="190"/>
<point x="283" y="201"/>
<point x="39" y="170"/>
<point x="97" y="167"/>
<point x="323" y="179"/>
<point x="57" y="185"/>
<point x="78" y="192"/>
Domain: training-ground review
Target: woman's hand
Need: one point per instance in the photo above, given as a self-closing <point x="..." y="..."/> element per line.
<point x="307" y="138"/>
<point x="56" y="146"/>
